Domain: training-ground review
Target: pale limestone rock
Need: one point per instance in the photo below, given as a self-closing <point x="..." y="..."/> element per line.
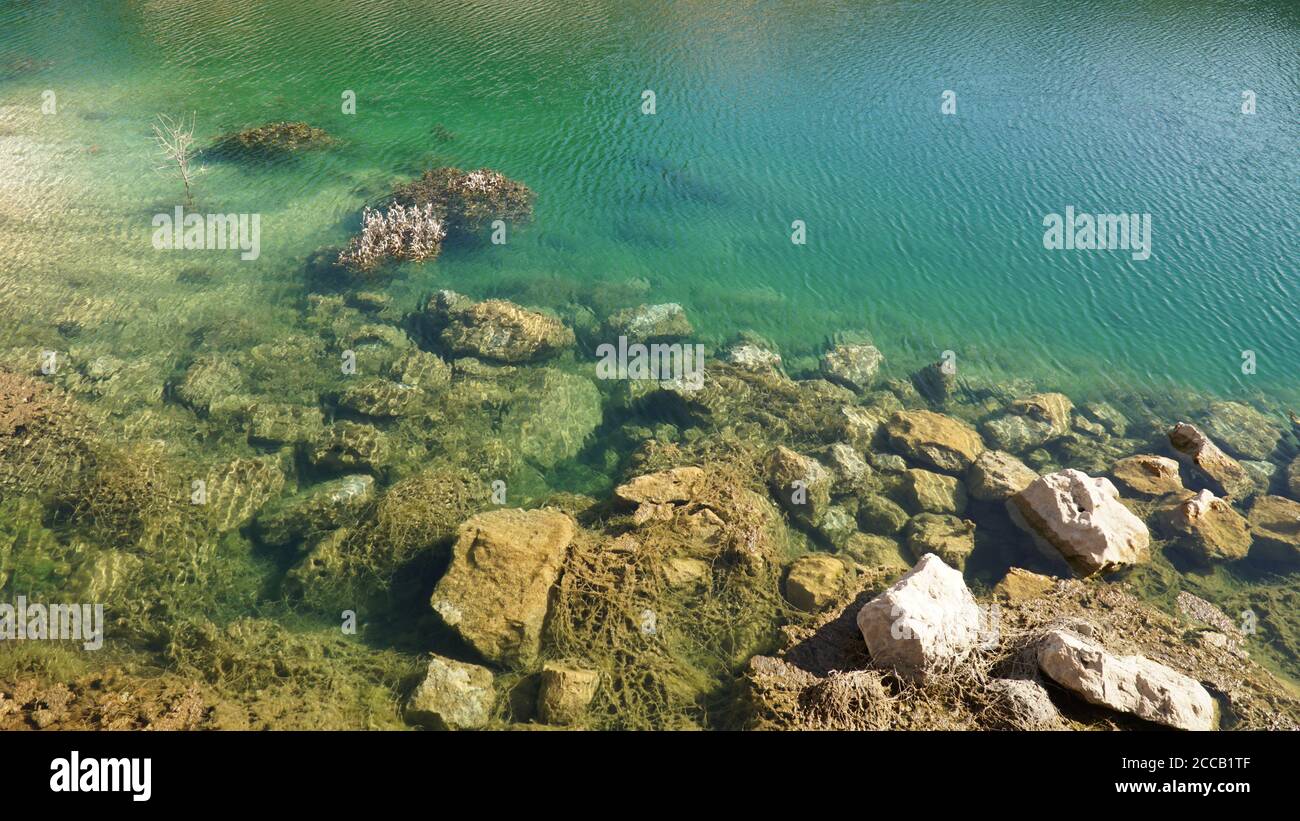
<point x="925" y="620"/>
<point x="1082" y="520"/>
<point x="1127" y="684"/>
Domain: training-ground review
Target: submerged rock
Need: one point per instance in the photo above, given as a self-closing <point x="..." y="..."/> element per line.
<point x="1148" y="475"/>
<point x="1275" y="523"/>
<point x="853" y="366"/>
<point x="937" y="382"/>
<point x="278" y="423"/>
<point x="237" y="489"/>
<point x="1209" y="527"/>
<point x="929" y="492"/>
<point x="837" y="526"/>
<point x="1245" y="432"/>
<point x="950" y="538"/>
<point x="565" y="692"/>
<point x="315" y="511"/>
<point x="272" y="141"/>
<point x="494" y="329"/>
<point x="1082" y="520"/>
<point x="675" y="485"/>
<point x="495" y="593"/>
<point x="877" y="551"/>
<point x="1127" y="684"/>
<point x="879" y="514"/>
<point x="926" y="620"/>
<point x="801" y="483"/>
<point x="935" y="440"/>
<point x="650" y="323"/>
<point x="350" y="446"/>
<point x="997" y="475"/>
<point x="381" y="399"/>
<point x="452" y="696"/>
<point x="753" y="357"/>
<point x="848" y="464"/>
<point x="1224" y="475"/>
<point x="814" y="581"/>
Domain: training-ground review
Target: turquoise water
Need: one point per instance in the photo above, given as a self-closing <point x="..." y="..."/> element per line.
<point x="924" y="230"/>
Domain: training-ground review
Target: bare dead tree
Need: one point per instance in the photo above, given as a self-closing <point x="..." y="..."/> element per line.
<point x="176" y="141"/>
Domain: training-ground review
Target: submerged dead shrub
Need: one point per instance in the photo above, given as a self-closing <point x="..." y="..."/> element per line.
<point x="395" y="234"/>
<point x="467" y="201"/>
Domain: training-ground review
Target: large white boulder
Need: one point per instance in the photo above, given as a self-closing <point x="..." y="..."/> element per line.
<point x="1128" y="684"/>
<point x="1081" y="519"/>
<point x="926" y="620"/>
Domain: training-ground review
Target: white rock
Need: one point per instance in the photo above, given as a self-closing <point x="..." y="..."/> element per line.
<point x="1082" y="519"/>
<point x="926" y="619"/>
<point x="1128" y="684"/>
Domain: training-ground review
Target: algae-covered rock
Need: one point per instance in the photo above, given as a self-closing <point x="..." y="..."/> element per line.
<point x="380" y="398"/>
<point x="316" y="510"/>
<point x="495" y="594"/>
<point x="271" y="141"/>
<point x="1275" y="523"/>
<point x="801" y="483"/>
<point x="837" y="526"/>
<point x="494" y="329"/>
<point x="1148" y="475"/>
<point x="881" y="515"/>
<point x="550" y="416"/>
<point x="1224" y="475"/>
<point x="877" y="551"/>
<point x="1244" y="432"/>
<point x="1106" y="415"/>
<point x="421" y="369"/>
<point x="675" y="485"/>
<point x="997" y="475"/>
<point x="452" y="696"/>
<point x="279" y="423"/>
<point x="853" y="366"/>
<point x="1208" y="526"/>
<point x="350" y="446"/>
<point x="1293" y="478"/>
<point x="934" y="440"/>
<point x="849" y="466"/>
<point x="1022" y="585"/>
<point x="565" y="692"/>
<point x="649" y="323"/>
<point x="237" y="489"/>
<point x="45" y="437"/>
<point x="948" y="537"/>
<point x="814" y="581"/>
<point x="937" y="382"/>
<point x="210" y="378"/>
<point x="929" y="492"/>
<point x="1081" y="519"/>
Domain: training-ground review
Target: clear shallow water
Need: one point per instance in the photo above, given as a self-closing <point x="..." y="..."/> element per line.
<point x="924" y="230"/>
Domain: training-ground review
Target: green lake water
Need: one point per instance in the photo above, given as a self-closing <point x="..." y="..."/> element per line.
<point x="924" y="230"/>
